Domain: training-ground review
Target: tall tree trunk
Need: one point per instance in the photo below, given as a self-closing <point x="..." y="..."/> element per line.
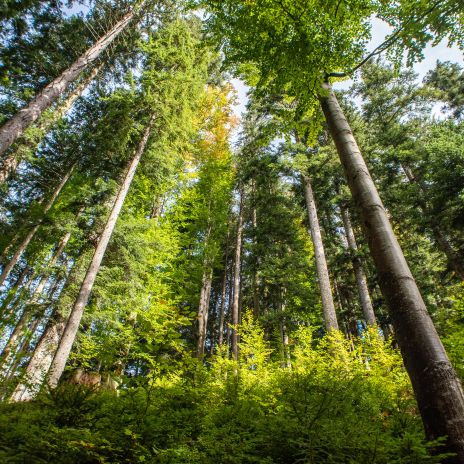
<point x="30" y="235"/>
<point x="72" y="325"/>
<point x="328" y="307"/>
<point x="29" y="312"/>
<point x="361" y="281"/>
<point x="203" y="308"/>
<point x="13" y="158"/>
<point x="438" y="390"/>
<point x="15" y="127"/>
<point x="254" y="223"/>
<point x="41" y="359"/>
<point x="44" y="351"/>
<point x="222" y="308"/>
<point x="39" y="317"/>
<point x="235" y="313"/>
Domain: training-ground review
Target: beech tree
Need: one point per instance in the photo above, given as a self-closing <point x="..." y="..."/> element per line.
<point x="289" y="39"/>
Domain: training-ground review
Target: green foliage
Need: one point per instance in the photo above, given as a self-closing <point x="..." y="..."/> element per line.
<point x="338" y="403"/>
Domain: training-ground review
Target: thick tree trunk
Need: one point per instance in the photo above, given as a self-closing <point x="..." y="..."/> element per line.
<point x="328" y="307"/>
<point x="15" y="127"/>
<point x="361" y="281"/>
<point x="27" y="239"/>
<point x="235" y="313"/>
<point x="438" y="391"/>
<point x="12" y="159"/>
<point x="203" y="308"/>
<point x="77" y="311"/>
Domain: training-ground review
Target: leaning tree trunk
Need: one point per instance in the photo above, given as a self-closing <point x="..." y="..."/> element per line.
<point x="44" y="351"/>
<point x="12" y="160"/>
<point x="30" y="310"/>
<point x="23" y="245"/>
<point x="72" y="326"/>
<point x="438" y="390"/>
<point x="361" y="281"/>
<point x="15" y="127"/>
<point x="328" y="307"/>
<point x="236" y="298"/>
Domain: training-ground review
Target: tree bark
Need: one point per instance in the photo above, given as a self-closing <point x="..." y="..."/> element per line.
<point x="12" y="159"/>
<point x="361" y="281"/>
<point x="438" y="390"/>
<point x="72" y="325"/>
<point x="328" y="307"/>
<point x="30" y="235"/>
<point x="15" y="127"/>
<point x="237" y="265"/>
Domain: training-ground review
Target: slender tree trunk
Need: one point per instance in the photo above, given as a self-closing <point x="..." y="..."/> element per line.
<point x="44" y="351"/>
<point x="41" y="360"/>
<point x="15" y="127"/>
<point x="28" y="313"/>
<point x="72" y="325"/>
<point x="40" y="317"/>
<point x="223" y="296"/>
<point x="23" y="245"/>
<point x="438" y="390"/>
<point x="254" y="222"/>
<point x="328" y="307"/>
<point x="13" y="158"/>
<point x="237" y="265"/>
<point x="203" y="308"/>
<point x="361" y="281"/>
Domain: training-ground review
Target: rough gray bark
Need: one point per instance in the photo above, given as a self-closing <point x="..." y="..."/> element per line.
<point x="30" y="235"/>
<point x="235" y="313"/>
<point x="328" y="307"/>
<point x="16" y="126"/>
<point x="72" y="325"/>
<point x="438" y="390"/>
<point x="203" y="308"/>
<point x="12" y="159"/>
<point x="361" y="282"/>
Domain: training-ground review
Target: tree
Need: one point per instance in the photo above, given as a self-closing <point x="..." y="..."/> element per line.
<point x="297" y="54"/>
<point x="14" y="128"/>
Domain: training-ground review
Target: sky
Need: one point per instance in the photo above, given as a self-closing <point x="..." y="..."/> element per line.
<point x="379" y="31"/>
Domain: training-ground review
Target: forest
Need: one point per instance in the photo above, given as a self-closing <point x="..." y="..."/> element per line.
<point x="181" y="283"/>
